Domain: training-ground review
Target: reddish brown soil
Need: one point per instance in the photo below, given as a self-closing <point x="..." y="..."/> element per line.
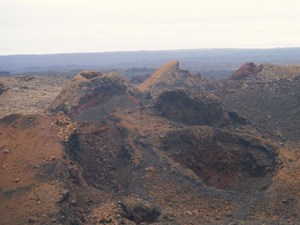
<point x="26" y="191"/>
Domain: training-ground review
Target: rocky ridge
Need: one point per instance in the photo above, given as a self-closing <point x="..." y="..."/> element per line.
<point x="169" y="76"/>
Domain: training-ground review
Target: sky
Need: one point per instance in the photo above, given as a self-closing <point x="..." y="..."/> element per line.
<point x="65" y="26"/>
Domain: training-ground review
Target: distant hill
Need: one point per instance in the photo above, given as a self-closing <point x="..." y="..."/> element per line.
<point x="210" y="62"/>
<point x="266" y="72"/>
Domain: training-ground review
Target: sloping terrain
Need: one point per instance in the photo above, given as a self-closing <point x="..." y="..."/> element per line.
<point x="92" y="96"/>
<point x="177" y="157"/>
<point x="96" y="179"/>
<point x="192" y="108"/>
<point x="271" y="104"/>
<point x="30" y="154"/>
<point x="169" y="76"/>
<point x="138" y="79"/>
<point x="266" y="72"/>
<point x="223" y="159"/>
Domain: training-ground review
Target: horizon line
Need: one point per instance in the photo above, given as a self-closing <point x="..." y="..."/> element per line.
<point x="145" y="50"/>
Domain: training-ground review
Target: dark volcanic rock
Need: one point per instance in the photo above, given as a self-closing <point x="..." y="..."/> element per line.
<point x="223" y="159"/>
<point x="101" y="152"/>
<point x="138" y="79"/>
<point x="2" y="88"/>
<point x="270" y="106"/>
<point x="192" y="109"/>
<point x="139" y="211"/>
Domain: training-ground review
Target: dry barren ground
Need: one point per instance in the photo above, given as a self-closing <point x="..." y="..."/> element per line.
<point x="28" y="94"/>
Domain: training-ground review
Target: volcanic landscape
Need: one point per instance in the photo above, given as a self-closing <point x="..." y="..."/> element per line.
<point x="171" y="148"/>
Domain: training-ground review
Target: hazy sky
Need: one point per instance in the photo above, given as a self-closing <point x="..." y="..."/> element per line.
<point x="44" y="26"/>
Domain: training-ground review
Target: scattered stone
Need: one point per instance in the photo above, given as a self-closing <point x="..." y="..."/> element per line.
<point x="17" y="180"/>
<point x="144" y="142"/>
<point x="64" y="194"/>
<point x="188" y="212"/>
<point x="229" y="214"/>
<point x="73" y="202"/>
<point x="32" y="220"/>
<point x="150" y="169"/>
<point x="139" y="211"/>
<point x="232" y="223"/>
<point x="287" y="201"/>
<point x="6" y="151"/>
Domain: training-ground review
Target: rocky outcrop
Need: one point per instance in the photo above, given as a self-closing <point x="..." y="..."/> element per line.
<point x="168" y="76"/>
<point x="92" y="96"/>
<point x="247" y="70"/>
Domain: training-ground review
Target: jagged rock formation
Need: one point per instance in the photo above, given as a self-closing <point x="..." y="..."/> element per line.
<point x="168" y="76"/>
<point x="92" y="96"/>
